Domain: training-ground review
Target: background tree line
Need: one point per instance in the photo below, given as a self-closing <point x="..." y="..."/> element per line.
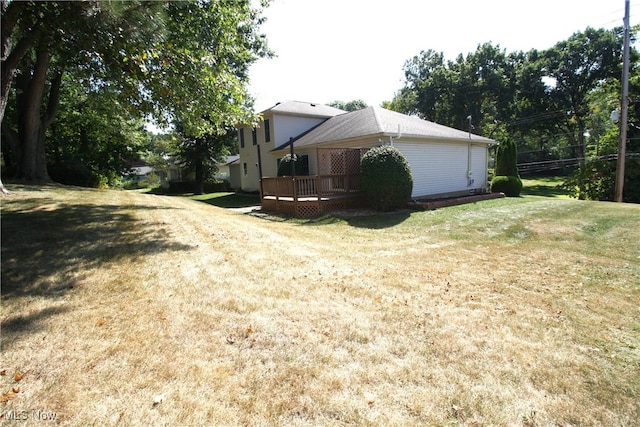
<point x="555" y="103"/>
<point x="80" y="78"/>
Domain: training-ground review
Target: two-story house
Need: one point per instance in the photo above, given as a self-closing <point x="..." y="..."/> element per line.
<point x="444" y="162"/>
<point x="280" y="124"/>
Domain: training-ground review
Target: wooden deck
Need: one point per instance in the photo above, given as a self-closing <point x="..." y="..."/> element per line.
<point x="306" y="196"/>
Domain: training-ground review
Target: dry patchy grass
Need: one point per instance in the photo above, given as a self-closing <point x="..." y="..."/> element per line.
<point x="126" y="309"/>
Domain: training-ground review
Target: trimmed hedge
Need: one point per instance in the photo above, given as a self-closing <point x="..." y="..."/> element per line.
<point x="386" y="178"/>
<point x="511" y="185"/>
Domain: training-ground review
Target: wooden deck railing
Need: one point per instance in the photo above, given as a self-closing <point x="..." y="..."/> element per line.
<point x="310" y="186"/>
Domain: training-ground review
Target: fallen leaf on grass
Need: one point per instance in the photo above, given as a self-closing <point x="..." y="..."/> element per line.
<point x="231" y="339"/>
<point x="3" y="372"/>
<point x="248" y="331"/>
<point x="370" y="397"/>
<point x="17" y="377"/>
<point x="8" y="395"/>
<point x="101" y="322"/>
<point x="158" y="399"/>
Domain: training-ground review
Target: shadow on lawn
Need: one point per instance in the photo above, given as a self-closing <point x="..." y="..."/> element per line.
<point x="231" y="200"/>
<point x="544" y="190"/>
<point x="48" y="247"/>
<point x="361" y="218"/>
<point x="544" y="186"/>
<point x="32" y="322"/>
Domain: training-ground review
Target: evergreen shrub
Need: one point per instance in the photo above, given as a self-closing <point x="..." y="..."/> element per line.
<point x="386" y="178"/>
<point x="507" y="179"/>
<point x="510" y="185"/>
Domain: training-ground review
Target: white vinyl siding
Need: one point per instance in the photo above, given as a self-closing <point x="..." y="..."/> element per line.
<point x="286" y="127"/>
<point x="439" y="168"/>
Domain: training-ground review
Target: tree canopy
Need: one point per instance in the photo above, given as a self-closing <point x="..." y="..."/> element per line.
<point x="178" y="61"/>
<point x="357" y="104"/>
<point x="540" y="99"/>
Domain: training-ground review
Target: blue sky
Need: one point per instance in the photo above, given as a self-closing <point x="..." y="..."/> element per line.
<point x="331" y="50"/>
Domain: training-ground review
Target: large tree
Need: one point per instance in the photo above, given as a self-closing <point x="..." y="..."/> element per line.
<point x="574" y="68"/>
<point x="177" y="60"/>
<point x="537" y="98"/>
<point x="480" y="85"/>
<point x="355" y="105"/>
<point x="93" y="139"/>
<point x="77" y="37"/>
<point x="200" y="155"/>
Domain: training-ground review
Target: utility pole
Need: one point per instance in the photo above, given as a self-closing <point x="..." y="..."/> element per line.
<point x="624" y="108"/>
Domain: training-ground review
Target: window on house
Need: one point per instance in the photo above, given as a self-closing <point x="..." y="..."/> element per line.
<point x="267" y="131"/>
<point x="244" y="169"/>
<point x="302" y="161"/>
<point x="254" y="136"/>
<point x="241" y="137"/>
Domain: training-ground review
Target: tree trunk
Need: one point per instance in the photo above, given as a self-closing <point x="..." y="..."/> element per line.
<point x="31" y="129"/>
<point x="199" y="184"/>
<point x="50" y="113"/>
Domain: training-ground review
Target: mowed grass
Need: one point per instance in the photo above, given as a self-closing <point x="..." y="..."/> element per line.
<point x="120" y="308"/>
<point x="548" y="186"/>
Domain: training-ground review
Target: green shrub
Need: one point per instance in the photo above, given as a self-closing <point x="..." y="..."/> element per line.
<point x="509" y="185"/>
<point x="386" y="178"/>
<point x="70" y="173"/>
<point x="596" y="180"/>
<point x="506" y="159"/>
<point x="284" y="167"/>
<point x="506" y="179"/>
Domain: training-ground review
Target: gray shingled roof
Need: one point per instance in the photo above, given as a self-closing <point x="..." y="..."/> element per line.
<point x="304" y="109"/>
<point x="378" y="122"/>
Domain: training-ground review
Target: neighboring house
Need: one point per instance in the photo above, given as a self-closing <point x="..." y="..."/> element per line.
<point x="229" y="171"/>
<point x="235" y="174"/>
<point x="172" y="171"/>
<point x="224" y="170"/>
<point x="444" y="161"/>
<point x="138" y="171"/>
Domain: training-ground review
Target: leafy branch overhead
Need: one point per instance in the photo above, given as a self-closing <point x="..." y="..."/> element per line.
<point x="184" y="61"/>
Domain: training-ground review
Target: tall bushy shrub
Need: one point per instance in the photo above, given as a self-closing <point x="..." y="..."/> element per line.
<point x="507" y="179"/>
<point x="596" y="180"/>
<point x="386" y="178"/>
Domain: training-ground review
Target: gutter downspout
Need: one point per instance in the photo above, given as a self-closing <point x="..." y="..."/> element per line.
<point x="259" y="171"/>
<point x="398" y="135"/>
<point x="293" y="176"/>
<point x="470" y="180"/>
